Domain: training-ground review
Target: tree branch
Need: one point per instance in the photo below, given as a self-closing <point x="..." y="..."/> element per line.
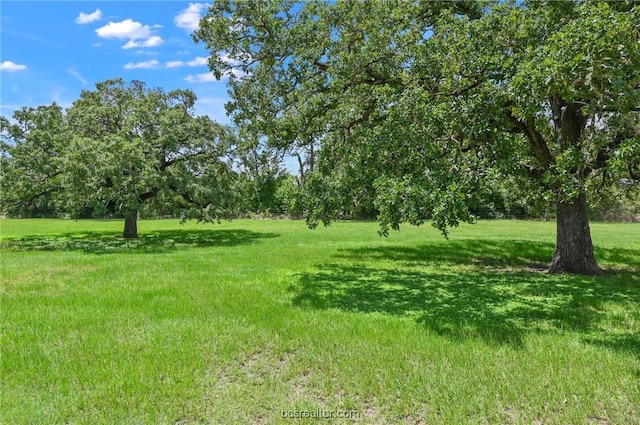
<point x="170" y="162"/>
<point x="148" y="195"/>
<point x="536" y="140"/>
<point x="35" y="196"/>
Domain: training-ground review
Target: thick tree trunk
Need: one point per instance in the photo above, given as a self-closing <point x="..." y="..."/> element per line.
<point x="574" y="249"/>
<point x="130" y="224"/>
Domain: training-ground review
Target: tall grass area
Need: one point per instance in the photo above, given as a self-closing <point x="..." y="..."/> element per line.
<point x="253" y="322"/>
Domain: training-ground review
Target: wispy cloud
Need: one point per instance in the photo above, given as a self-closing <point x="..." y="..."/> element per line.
<point x="198" y="61"/>
<point x="31" y="37"/>
<point x="206" y="77"/>
<point x="11" y="66"/>
<point x="152" y="41"/>
<point x="150" y="64"/>
<point x="74" y="72"/>
<point x="11" y="108"/>
<point x="85" y="18"/>
<point x="147" y="52"/>
<point x="189" y="18"/>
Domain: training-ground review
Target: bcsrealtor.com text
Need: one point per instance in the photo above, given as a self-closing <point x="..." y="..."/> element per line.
<point x="321" y="413"/>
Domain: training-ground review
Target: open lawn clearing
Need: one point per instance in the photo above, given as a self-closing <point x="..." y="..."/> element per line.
<point x="252" y="321"/>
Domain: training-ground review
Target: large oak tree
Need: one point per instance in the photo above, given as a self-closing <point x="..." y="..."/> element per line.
<point x="418" y="104"/>
<point x="123" y="148"/>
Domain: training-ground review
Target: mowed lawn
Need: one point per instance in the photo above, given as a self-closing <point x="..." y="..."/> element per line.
<point x="253" y="322"/>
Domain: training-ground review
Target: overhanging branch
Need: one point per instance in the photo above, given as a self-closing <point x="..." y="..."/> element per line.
<point x="536" y="140"/>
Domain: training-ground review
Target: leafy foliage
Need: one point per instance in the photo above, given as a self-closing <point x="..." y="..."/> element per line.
<point x="406" y="95"/>
<point x="260" y="175"/>
<point x="32" y="158"/>
<point x="420" y="106"/>
<point x="120" y="148"/>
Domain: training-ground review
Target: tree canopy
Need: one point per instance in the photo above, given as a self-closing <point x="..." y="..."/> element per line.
<point x="120" y="147"/>
<point x="418" y="106"/>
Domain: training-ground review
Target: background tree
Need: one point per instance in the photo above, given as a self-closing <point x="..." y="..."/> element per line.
<point x="126" y="148"/>
<point x="260" y="173"/>
<point x="424" y="104"/>
<point x="31" y="158"/>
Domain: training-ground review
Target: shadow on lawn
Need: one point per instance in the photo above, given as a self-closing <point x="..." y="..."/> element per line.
<point x="496" y="291"/>
<point x="154" y="242"/>
<point x="498" y="254"/>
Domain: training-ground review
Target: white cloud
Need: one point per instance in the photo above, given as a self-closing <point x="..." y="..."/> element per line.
<point x="85" y="18"/>
<point x="124" y="29"/>
<point x="198" y="61"/>
<point x="150" y="64"/>
<point x="152" y="41"/>
<point x="11" y="66"/>
<point x="207" y="77"/>
<point x="74" y="72"/>
<point x="132" y="30"/>
<point x="189" y="18"/>
<point x="174" y="64"/>
<point x="147" y="52"/>
<point x="238" y="73"/>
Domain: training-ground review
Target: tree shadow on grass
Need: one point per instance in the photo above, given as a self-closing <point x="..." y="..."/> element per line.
<point x="160" y="241"/>
<point x="498" y="254"/>
<point x="492" y="290"/>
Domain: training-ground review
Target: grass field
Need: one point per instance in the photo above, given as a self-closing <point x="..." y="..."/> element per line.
<point x="253" y="322"/>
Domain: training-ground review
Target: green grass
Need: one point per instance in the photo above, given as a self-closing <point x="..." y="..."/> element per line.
<point x="234" y="323"/>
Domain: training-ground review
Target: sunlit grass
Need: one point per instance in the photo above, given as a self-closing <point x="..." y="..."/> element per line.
<point x="234" y="323"/>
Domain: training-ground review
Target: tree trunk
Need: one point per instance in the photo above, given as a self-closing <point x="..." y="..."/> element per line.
<point x="574" y="249"/>
<point x="130" y="224"/>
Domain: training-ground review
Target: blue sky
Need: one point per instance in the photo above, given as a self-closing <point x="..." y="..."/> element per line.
<point x="51" y="50"/>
